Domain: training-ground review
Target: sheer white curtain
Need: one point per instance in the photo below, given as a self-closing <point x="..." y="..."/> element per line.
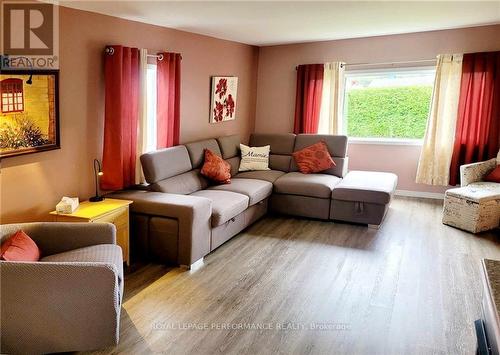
<point x="142" y="125"/>
<point x="435" y="157"/>
<point x="330" y="115"/>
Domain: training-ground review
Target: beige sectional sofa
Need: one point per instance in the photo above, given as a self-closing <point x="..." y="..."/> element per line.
<point x="180" y="217"/>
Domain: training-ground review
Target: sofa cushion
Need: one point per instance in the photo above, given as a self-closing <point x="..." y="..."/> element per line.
<point x="337" y="146"/>
<point x="183" y="184"/>
<point x="314" y="158"/>
<point x="280" y="162"/>
<point x="215" y="168"/>
<point x="235" y="164"/>
<point x="225" y="204"/>
<point x="280" y="143"/>
<point x="164" y="163"/>
<point x="229" y="146"/>
<point x="196" y="151"/>
<point x="311" y="185"/>
<point x="281" y="148"/>
<point x="102" y="253"/>
<point x="366" y="186"/>
<point x="267" y="175"/>
<point x="256" y="190"/>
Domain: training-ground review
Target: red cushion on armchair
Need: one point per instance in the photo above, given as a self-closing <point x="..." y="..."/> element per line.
<point x="494" y="176"/>
<point x="19" y="247"/>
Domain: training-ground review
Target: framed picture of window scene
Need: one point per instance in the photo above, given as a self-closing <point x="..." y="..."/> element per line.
<point x="223" y="100"/>
<point x="29" y="116"/>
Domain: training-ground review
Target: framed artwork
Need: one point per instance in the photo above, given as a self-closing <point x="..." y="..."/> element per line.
<point x="29" y="115"/>
<point x="223" y="103"/>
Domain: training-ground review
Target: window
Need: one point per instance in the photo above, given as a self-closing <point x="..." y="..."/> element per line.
<point x="387" y="104"/>
<point x="12" y="95"/>
<point x="151" y="108"/>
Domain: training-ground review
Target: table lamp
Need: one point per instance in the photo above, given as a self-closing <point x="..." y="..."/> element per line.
<point x="97" y="172"/>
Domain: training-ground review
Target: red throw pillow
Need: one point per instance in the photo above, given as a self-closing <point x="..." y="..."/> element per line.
<point x="215" y="168"/>
<point x="494" y="176"/>
<point x="19" y="247"/>
<point x="314" y="158"/>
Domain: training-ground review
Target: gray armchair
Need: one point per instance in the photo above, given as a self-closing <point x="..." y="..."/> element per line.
<point x="70" y="300"/>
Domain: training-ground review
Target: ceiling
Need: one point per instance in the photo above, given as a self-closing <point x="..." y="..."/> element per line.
<point x="279" y="22"/>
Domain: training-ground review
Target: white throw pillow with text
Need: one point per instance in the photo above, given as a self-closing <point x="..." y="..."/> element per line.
<point x="254" y="158"/>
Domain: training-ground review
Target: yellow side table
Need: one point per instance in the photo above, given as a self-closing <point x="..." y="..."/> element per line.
<point x="109" y="210"/>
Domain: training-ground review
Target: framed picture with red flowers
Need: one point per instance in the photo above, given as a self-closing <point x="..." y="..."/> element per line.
<point x="223" y="103"/>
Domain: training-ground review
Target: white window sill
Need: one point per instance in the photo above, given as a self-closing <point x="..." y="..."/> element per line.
<point x="385" y="141"/>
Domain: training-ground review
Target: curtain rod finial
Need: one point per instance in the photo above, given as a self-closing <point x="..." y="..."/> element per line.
<point x="109" y="50"/>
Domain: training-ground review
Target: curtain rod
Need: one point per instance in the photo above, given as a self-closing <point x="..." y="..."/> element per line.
<point x="111" y="51"/>
<point x="391" y="63"/>
<point x="157" y="56"/>
<point x="386" y="63"/>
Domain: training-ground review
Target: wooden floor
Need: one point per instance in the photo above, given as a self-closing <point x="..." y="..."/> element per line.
<point x="313" y="287"/>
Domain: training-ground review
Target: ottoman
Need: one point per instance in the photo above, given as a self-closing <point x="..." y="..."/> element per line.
<point x="363" y="197"/>
<point x="474" y="208"/>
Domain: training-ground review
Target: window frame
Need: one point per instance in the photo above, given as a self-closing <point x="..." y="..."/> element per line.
<point x="378" y="140"/>
<point x="14" y="84"/>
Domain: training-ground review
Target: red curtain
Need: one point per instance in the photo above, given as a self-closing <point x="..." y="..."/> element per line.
<point x="477" y="132"/>
<point x="121" y="72"/>
<point x="168" y="99"/>
<point x="308" y="98"/>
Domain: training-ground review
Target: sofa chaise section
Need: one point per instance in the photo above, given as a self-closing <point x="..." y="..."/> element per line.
<point x="363" y="197"/>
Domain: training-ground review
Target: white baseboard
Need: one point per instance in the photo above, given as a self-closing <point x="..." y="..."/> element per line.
<point x="421" y="194"/>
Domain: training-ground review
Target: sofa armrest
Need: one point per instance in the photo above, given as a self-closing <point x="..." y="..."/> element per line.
<point x="475" y="172"/>
<point x="58" y="307"/>
<point x="58" y="237"/>
<point x="193" y="214"/>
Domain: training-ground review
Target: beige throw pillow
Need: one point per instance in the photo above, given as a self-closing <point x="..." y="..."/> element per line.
<point x="254" y="158"/>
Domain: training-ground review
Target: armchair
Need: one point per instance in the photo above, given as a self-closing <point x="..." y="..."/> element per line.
<point x="70" y="300"/>
<point x="475" y="206"/>
<point x="475" y="172"/>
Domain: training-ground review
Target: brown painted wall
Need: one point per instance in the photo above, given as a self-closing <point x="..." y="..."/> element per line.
<point x="31" y="185"/>
<point x="276" y="89"/>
